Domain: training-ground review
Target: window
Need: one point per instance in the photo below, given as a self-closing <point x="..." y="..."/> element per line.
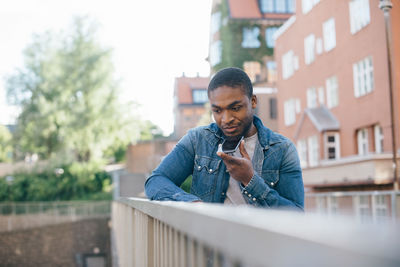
<point x="332" y="146"/>
<point x="380" y="208"/>
<point x="302" y="149"/>
<point x="362" y="141"/>
<point x="378" y="134"/>
<point x="250" y="37"/>
<point x="363" y="77"/>
<point x="309" y="49"/>
<point x="288" y="64"/>
<point x="215" y="53"/>
<point x="363" y="211"/>
<point x="273" y="108"/>
<point x="271" y="71"/>
<point x="253" y="70"/>
<point x="312" y="98"/>
<point x="277" y="6"/>
<point x="313" y="151"/>
<point x="290" y="111"/>
<point x="359" y="15"/>
<point x="332" y="99"/>
<point x="307" y="5"/>
<point x="215" y="22"/>
<point x="321" y="95"/>
<point x="269" y="36"/>
<point x="332" y="206"/>
<point x="199" y="96"/>
<point x="329" y="34"/>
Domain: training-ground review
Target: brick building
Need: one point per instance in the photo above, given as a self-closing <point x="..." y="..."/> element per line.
<point x="333" y="92"/>
<point x="190" y="96"/>
<point x="241" y="36"/>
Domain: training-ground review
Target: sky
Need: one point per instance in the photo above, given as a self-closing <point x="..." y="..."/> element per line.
<point x="153" y="42"/>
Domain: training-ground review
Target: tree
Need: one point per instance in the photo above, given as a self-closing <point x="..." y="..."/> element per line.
<point x="69" y="96"/>
<point x="5" y="144"/>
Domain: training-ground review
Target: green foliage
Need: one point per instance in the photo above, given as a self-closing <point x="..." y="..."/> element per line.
<point x="5" y="144"/>
<point x="78" y="181"/>
<point x="69" y="97"/>
<point x="233" y="54"/>
<point x="149" y="131"/>
<point x="187" y="184"/>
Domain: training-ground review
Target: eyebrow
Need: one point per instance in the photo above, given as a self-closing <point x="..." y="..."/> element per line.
<point x="234" y="103"/>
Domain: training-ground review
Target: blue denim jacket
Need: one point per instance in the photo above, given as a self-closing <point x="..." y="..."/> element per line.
<point x="277" y="181"/>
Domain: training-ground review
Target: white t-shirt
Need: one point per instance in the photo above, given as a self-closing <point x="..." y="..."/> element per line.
<point x="234" y="195"/>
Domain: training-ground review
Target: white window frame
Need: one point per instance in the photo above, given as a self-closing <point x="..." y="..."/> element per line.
<point x="250" y="37"/>
<point x="363" y="77"/>
<point x="288" y="64"/>
<point x="329" y="34"/>
<point x="215" y="22"/>
<point x="309" y="49"/>
<point x="332" y="205"/>
<point x="312" y="98"/>
<point x="380" y="210"/>
<point x="359" y="15"/>
<point x="302" y="149"/>
<point x="378" y="137"/>
<point x="289" y="111"/>
<point x="313" y="150"/>
<point x="332" y="92"/>
<point x="363" y="209"/>
<point x="335" y="144"/>
<point x="362" y="141"/>
<point x="215" y="53"/>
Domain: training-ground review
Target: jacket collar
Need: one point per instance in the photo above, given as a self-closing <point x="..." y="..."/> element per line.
<point x="266" y="137"/>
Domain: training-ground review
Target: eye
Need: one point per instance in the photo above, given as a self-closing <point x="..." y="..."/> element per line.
<point x="237" y="108"/>
<point x="216" y="111"/>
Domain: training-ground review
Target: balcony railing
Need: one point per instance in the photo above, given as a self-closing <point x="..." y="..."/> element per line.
<point x="151" y="233"/>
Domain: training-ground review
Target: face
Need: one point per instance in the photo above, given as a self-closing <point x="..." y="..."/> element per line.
<point x="233" y="111"/>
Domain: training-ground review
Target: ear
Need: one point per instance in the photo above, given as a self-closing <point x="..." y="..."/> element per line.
<point x="253" y="101"/>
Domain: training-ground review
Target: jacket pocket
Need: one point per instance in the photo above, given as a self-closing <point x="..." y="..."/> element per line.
<point x="271" y="177"/>
<point x="205" y="174"/>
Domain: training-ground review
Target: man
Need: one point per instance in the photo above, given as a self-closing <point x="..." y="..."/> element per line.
<point x="265" y="172"/>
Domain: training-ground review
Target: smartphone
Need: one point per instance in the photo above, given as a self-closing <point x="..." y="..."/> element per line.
<point x="229" y="146"/>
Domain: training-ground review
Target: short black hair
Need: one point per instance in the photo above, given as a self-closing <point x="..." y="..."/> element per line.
<point x="232" y="77"/>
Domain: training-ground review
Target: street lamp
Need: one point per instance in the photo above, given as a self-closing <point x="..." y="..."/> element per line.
<point x="386" y="6"/>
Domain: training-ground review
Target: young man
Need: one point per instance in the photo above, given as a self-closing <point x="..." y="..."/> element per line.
<point x="264" y="171"/>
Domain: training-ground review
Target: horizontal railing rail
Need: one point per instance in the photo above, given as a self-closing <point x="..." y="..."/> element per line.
<point x="152" y="233"/>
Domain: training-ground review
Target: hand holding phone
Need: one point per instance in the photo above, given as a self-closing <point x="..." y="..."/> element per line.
<point x="230" y="146"/>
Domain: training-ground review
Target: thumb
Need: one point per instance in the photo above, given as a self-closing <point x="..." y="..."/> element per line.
<point x="243" y="150"/>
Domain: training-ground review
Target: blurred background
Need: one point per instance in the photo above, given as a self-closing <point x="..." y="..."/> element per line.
<point x="93" y="94"/>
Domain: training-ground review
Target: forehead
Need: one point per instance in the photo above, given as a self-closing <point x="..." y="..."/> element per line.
<point x="227" y="94"/>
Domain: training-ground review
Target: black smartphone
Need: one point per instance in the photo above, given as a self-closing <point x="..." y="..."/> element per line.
<point x="229" y="146"/>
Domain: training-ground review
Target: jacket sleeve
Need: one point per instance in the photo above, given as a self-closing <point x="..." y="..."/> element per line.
<point x="164" y="182"/>
<point x="287" y="193"/>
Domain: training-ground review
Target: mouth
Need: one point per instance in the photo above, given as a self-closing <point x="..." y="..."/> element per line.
<point x="230" y="129"/>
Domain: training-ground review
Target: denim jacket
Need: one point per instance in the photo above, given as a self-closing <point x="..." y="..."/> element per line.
<point x="277" y="181"/>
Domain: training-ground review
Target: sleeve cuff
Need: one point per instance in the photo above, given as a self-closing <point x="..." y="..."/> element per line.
<point x="255" y="190"/>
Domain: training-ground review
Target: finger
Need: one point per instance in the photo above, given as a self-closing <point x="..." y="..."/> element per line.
<point x="243" y="150"/>
<point x="226" y="158"/>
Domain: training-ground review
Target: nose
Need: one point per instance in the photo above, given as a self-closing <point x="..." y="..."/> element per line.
<point x="226" y="117"/>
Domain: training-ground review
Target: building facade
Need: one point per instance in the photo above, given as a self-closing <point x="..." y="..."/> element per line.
<point x="190" y="97"/>
<point x="333" y="92"/>
<point x="241" y="35"/>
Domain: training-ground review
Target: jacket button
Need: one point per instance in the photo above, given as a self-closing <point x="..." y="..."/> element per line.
<point x="223" y="193"/>
<point x="211" y="170"/>
<point x="245" y="192"/>
<point x="199" y="168"/>
<point x="272" y="184"/>
<point x="254" y="199"/>
<point x="249" y="195"/>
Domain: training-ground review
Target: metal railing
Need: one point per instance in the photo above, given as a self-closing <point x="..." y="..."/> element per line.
<point x="374" y="206"/>
<point x="23" y="215"/>
<point x="152" y="233"/>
